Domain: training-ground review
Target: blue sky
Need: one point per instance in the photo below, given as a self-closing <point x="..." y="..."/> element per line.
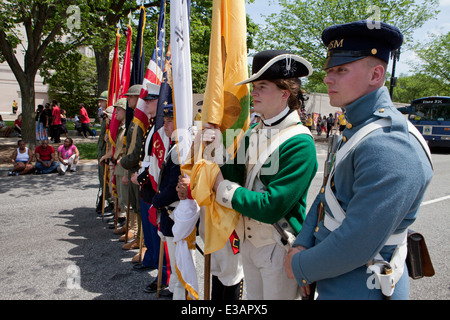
<point x="439" y="26"/>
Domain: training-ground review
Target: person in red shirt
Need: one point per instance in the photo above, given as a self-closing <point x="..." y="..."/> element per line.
<point x="85" y="121"/>
<point x="56" y="122"/>
<point x="45" y="158"/>
<point x="18" y="125"/>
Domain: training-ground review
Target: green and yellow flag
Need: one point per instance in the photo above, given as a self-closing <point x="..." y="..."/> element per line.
<point x="227" y="106"/>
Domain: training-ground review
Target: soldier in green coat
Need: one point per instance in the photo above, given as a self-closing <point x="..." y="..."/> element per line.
<point x="268" y="180"/>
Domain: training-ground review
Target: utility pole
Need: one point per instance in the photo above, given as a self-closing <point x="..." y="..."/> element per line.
<point x="395" y="55"/>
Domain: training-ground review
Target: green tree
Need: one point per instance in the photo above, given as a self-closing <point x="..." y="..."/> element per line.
<point x="299" y="25"/>
<point x="419" y="85"/>
<point x="74" y="81"/>
<point x="43" y="23"/>
<point x="434" y="58"/>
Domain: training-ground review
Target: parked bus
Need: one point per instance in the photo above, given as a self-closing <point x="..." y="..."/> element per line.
<point x="431" y="116"/>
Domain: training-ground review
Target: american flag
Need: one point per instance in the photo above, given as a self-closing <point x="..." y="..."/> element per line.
<point x="154" y="71"/>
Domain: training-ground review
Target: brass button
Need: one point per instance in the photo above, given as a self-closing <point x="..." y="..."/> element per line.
<point x="374" y="51"/>
<point x="349" y="125"/>
<point x="317" y="229"/>
<point x="322" y="190"/>
<point x="381" y="110"/>
<point x="304" y="281"/>
<point x="344" y="138"/>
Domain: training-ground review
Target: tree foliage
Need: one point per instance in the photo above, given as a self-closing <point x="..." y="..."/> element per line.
<point x="42" y="24"/>
<point x="299" y="25"/>
<point x="54" y="30"/>
<point x="419" y="85"/>
<point x="434" y="58"/>
<point x="73" y="82"/>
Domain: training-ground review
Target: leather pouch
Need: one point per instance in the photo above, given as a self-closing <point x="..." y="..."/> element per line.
<point x="418" y="259"/>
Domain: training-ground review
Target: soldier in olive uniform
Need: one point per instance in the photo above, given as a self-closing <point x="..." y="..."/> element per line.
<point x="130" y="162"/>
<point x="101" y="150"/>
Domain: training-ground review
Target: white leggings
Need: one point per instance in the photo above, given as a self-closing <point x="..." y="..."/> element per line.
<point x="70" y="162"/>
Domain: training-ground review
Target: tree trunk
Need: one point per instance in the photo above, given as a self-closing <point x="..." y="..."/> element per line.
<point x="28" y="111"/>
<point x="102" y="62"/>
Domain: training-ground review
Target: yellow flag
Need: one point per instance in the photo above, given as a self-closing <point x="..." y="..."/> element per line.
<point x="227" y="106"/>
<point x="224" y="103"/>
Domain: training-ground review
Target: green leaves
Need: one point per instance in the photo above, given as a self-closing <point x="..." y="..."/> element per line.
<point x="299" y="25"/>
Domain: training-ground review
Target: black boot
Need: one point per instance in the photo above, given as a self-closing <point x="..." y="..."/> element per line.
<point x="222" y="292"/>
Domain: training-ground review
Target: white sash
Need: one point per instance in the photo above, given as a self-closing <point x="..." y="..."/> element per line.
<point x="267" y="150"/>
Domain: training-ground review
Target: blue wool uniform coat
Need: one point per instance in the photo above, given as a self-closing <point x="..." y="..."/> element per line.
<point x="380" y="186"/>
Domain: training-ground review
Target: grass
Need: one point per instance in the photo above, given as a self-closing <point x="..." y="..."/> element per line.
<point x="87" y="150"/>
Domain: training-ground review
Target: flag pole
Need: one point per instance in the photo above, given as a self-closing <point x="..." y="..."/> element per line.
<point x="207" y="278"/>
<point x="104" y="187"/>
<point x="160" y="267"/>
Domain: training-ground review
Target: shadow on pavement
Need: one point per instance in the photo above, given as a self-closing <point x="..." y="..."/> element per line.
<point x="100" y="265"/>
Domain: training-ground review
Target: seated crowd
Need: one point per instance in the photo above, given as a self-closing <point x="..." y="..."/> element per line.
<point x="47" y="161"/>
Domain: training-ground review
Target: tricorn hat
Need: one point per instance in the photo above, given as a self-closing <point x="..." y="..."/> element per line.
<point x="278" y="64"/>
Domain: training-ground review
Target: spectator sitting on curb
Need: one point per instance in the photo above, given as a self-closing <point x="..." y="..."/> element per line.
<point x="4" y="128"/>
<point x="21" y="158"/>
<point x="18" y="125"/>
<point x="45" y="158"/>
<point x="68" y="156"/>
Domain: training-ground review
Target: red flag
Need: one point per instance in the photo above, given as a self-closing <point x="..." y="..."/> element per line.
<point x="114" y="76"/>
<point x="126" y="69"/>
<point x="113" y="95"/>
<point x="124" y="86"/>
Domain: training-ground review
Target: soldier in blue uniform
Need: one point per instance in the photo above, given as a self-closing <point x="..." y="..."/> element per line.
<point x="353" y="241"/>
<point x="153" y="200"/>
<point x="166" y="200"/>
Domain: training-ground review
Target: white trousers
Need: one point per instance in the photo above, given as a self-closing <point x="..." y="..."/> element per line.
<point x="70" y="162"/>
<point x="264" y="274"/>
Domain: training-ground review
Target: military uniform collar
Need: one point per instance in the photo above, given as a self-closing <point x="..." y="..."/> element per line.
<point x="365" y="107"/>
<point x="287" y="119"/>
<point x="277" y="119"/>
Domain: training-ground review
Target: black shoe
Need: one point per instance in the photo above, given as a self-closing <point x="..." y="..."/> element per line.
<point x="141" y="267"/>
<point x="106" y="214"/>
<point x="152" y="287"/>
<point x="165" y="293"/>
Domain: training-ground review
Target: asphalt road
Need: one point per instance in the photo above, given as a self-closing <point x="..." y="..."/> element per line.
<point x="55" y="247"/>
